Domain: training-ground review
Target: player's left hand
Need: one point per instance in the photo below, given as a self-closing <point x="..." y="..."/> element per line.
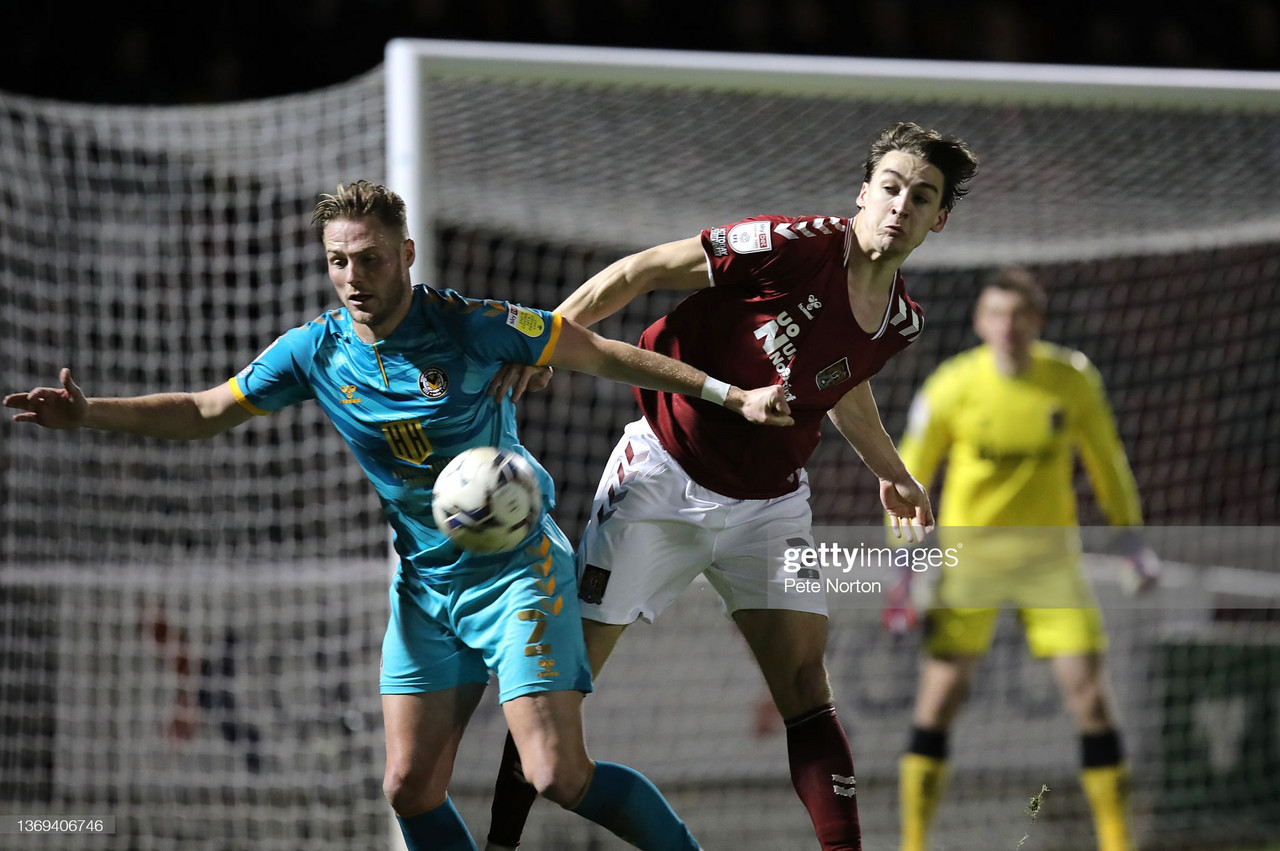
<point x="908" y="506"/>
<point x="763" y="406"/>
<point x="1141" y="570"/>
<point x="519" y="377"/>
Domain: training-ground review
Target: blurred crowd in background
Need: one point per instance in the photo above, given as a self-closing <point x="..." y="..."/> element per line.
<point x="161" y="52"/>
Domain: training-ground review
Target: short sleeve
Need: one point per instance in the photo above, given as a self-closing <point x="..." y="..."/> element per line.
<point x="771" y="252"/>
<point x="275" y="379"/>
<point x="739" y="254"/>
<point x="499" y="331"/>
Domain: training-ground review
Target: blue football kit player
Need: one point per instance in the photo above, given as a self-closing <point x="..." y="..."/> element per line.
<point x="406" y="374"/>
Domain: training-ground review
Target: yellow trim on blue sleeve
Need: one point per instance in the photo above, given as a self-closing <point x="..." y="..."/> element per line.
<point x="244" y="403"/>
<point x="550" y="348"/>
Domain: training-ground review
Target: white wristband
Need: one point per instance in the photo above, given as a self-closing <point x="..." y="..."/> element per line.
<point x="714" y="390"/>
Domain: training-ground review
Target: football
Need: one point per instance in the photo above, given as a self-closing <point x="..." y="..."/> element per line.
<point x="487" y="500"/>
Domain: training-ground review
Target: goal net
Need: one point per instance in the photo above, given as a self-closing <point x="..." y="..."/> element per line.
<point x="191" y="631"/>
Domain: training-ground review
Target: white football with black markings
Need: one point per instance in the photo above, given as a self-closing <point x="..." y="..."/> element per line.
<point x="487" y="500"/>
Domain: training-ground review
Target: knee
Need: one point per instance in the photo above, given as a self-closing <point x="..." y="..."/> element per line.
<point x="407" y="791"/>
<point x="944" y="688"/>
<point x="561" y="781"/>
<point x="812" y="683"/>
<point x="1090" y="705"/>
<point x="806" y="689"/>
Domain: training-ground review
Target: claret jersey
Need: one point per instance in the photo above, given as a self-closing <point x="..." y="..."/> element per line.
<point x="777" y="312"/>
<point x="408" y="404"/>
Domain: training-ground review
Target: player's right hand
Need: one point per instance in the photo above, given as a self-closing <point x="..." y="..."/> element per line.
<point x="519" y="377"/>
<point x="52" y="407"/>
<point x="898" y="615"/>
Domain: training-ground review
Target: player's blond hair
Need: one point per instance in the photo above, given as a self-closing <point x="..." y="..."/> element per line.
<point x="360" y="200"/>
<point x="948" y="154"/>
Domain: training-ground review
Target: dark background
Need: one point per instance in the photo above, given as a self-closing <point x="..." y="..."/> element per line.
<point x="164" y="52"/>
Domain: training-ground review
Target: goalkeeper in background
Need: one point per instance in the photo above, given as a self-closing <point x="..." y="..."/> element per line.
<point x="1008" y="418"/>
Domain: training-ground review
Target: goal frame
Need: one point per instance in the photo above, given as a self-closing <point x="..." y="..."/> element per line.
<point x="410" y="64"/>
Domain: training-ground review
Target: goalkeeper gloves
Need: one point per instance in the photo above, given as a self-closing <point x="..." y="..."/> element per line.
<point x="1141" y="569"/>
<point x="899" y="616"/>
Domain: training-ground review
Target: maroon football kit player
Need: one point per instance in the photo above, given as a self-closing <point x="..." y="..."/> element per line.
<point x="688" y="491"/>
<point x="817" y="305"/>
<point x="777" y="311"/>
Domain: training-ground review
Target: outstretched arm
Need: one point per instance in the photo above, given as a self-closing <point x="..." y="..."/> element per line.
<point x="174" y="416"/>
<point x="858" y="420"/>
<point x="585" y="351"/>
<point x="679" y="265"/>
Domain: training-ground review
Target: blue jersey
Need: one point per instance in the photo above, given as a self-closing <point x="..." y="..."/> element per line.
<point x="408" y="404"/>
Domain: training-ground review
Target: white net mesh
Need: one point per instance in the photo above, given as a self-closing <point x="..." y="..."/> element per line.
<point x="155" y="249"/>
<point x="189" y="633"/>
<point x="160" y="249"/>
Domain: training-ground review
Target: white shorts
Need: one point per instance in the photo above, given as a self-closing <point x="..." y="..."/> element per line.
<point x="653" y="530"/>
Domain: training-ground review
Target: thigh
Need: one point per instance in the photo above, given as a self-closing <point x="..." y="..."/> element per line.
<point x="750" y="568"/>
<point x="423" y="732"/>
<point x="1064" y="632"/>
<point x="421" y="652"/>
<point x="950" y="633"/>
<point x="524" y="619"/>
<point x="789" y="646"/>
<point x="646" y="539"/>
<point x="547" y="730"/>
<point x="1064" y="619"/>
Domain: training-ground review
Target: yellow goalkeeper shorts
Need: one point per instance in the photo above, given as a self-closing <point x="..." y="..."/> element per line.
<point x="1058" y="610"/>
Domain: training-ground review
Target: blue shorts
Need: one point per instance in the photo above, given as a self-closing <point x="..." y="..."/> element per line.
<point x="520" y="621"/>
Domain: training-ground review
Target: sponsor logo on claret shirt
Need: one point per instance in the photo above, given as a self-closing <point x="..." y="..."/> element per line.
<point x="718" y="246"/>
<point x="750" y="237"/>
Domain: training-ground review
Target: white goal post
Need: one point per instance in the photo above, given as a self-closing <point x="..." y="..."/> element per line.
<point x="901" y="85"/>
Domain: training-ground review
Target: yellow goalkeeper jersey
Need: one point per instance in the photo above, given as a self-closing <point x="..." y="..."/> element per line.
<point x="1010" y="443"/>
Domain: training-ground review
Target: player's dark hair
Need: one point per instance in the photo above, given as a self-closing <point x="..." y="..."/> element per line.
<point x="946" y="153"/>
<point x="360" y="200"/>
<point x="1020" y="280"/>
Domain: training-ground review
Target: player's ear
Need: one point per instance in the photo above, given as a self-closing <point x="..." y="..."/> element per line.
<point x="942" y="220"/>
<point x="410" y="252"/>
<point x="862" y="197"/>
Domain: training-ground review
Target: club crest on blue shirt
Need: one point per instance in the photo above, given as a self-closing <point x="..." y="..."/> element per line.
<point x="433" y="382"/>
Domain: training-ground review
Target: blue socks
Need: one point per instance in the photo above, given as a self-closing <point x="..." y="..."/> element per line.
<point x="440" y="829"/>
<point x="624" y="802"/>
<point x="619" y="799"/>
